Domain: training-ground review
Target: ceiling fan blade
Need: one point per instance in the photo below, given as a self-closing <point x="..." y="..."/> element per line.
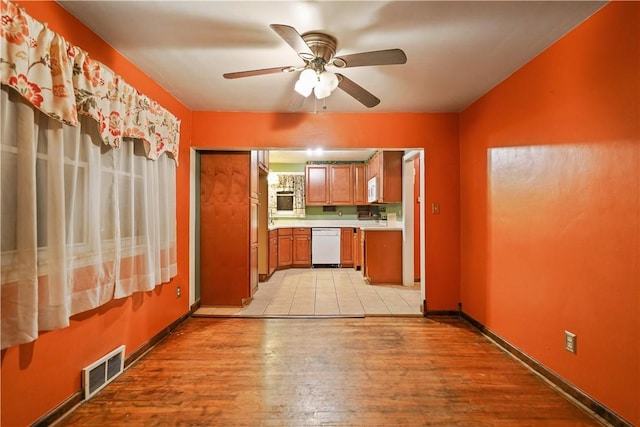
<point x="291" y="36"/>
<point x="377" y="57"/>
<point x="260" y="72"/>
<point x="364" y="96"/>
<point x="296" y="101"/>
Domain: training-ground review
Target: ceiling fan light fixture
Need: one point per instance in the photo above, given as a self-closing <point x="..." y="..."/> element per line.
<point x="306" y="82"/>
<point x="303" y="88"/>
<point x="328" y="80"/>
<point x="309" y="76"/>
<point x="321" y="91"/>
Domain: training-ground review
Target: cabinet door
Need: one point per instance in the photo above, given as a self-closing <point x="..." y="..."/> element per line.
<point x="254" y="275"/>
<point x="273" y="254"/>
<point x="359" y="184"/>
<point x="390" y="177"/>
<point x="362" y="254"/>
<point x="357" y="263"/>
<point x="373" y="167"/>
<point x="346" y="247"/>
<point x="302" y="250"/>
<point x="253" y="176"/>
<point x="285" y="251"/>
<point x="383" y="257"/>
<point x="317" y="185"/>
<point x="341" y="185"/>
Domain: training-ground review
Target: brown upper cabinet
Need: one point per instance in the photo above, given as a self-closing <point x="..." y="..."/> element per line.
<point x="317" y="185"/>
<point x="387" y="167"/>
<point x="360" y="184"/>
<point x="347" y="184"/>
<point x="329" y="185"/>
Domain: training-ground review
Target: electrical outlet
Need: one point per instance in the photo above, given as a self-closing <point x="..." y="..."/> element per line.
<point x="178" y="292"/>
<point x="570" y="342"/>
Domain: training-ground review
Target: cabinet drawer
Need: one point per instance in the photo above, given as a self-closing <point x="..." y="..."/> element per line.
<point x="284" y="232"/>
<point x="302" y="231"/>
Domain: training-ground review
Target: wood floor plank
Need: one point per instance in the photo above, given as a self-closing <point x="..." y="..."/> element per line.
<point x="327" y="372"/>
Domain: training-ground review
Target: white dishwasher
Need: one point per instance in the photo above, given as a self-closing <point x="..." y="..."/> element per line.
<point x="325" y="246"/>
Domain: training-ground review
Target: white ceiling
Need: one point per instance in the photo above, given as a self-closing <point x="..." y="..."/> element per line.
<point x="456" y="50"/>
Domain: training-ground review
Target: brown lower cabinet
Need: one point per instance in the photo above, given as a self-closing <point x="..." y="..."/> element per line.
<point x="289" y="247"/>
<point x="285" y="247"/>
<point x="346" y="246"/>
<point x="301" y="247"/>
<point x="273" y="251"/>
<point x="383" y="256"/>
<point x="357" y="250"/>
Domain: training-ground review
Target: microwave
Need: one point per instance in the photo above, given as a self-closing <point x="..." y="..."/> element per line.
<point x="372" y="190"/>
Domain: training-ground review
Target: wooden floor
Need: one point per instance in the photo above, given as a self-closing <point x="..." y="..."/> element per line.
<point x="373" y="371"/>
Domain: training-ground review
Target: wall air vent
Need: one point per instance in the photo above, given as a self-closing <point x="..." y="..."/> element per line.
<point x="102" y="371"/>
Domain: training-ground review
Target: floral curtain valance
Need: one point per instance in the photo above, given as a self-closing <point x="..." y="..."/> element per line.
<point x="62" y="81"/>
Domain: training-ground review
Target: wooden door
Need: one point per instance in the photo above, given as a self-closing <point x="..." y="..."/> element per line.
<point x="346" y="247"/>
<point x="317" y="185"/>
<point x="224" y="228"/>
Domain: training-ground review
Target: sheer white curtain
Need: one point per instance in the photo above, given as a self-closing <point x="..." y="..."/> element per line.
<point x="82" y="222"/>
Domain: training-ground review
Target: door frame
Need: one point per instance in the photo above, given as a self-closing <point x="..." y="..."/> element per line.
<point x="408" y="238"/>
<point x="409" y="233"/>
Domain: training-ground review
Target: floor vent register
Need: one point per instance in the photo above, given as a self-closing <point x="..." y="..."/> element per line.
<point x="101" y="372"/>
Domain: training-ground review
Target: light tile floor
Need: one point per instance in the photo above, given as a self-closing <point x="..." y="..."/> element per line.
<point x="324" y="292"/>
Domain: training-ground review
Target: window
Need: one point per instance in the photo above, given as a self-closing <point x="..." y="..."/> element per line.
<point x="82" y="222"/>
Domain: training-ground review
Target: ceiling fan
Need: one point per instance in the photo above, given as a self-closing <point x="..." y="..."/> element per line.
<point x="317" y="50"/>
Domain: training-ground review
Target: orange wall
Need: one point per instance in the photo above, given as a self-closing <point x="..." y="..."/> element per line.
<point x="550" y="177"/>
<point x="437" y="134"/>
<point x="39" y="376"/>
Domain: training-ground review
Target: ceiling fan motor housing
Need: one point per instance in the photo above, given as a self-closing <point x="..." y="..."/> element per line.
<point x="322" y="45"/>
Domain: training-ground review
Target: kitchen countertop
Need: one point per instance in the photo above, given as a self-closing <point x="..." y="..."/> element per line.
<point x="363" y="225"/>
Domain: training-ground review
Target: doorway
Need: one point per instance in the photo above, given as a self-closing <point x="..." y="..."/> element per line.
<point x="413" y="240"/>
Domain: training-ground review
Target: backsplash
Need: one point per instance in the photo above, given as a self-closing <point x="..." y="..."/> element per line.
<point x="350" y="212"/>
